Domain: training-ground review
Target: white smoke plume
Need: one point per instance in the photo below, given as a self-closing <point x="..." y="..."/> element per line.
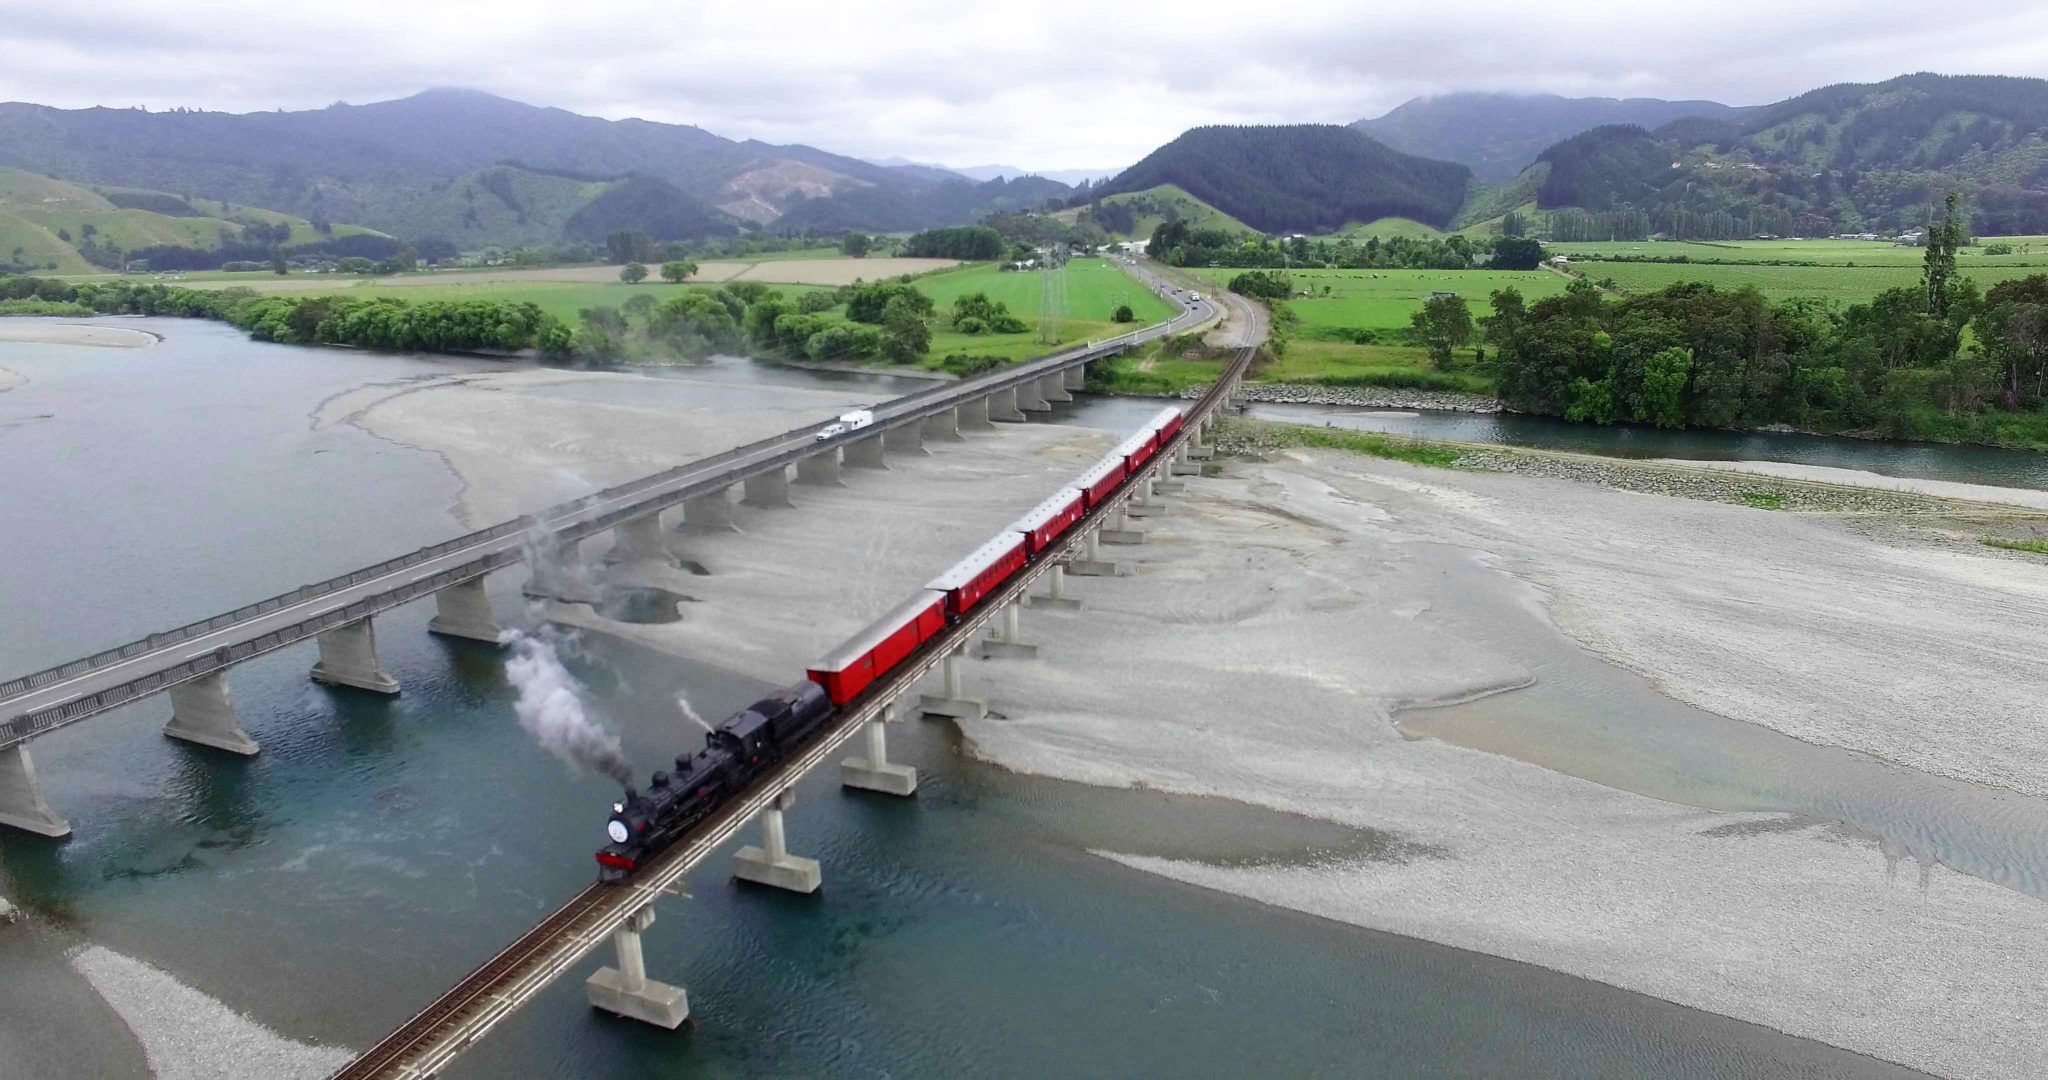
<point x="550" y="706"/>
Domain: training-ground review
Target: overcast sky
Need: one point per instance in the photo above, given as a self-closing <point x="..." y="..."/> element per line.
<point x="1041" y="86"/>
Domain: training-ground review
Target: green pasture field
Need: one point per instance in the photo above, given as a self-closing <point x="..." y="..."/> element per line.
<point x="1384" y="299"/>
<point x="2026" y="249"/>
<point x="1840" y="284"/>
<point x="1095" y="288"/>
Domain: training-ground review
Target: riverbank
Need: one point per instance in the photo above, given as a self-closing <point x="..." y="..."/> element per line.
<point x="41" y="330"/>
<point x="1367" y="397"/>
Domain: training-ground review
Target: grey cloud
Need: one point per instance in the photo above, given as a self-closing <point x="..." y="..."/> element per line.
<point x="963" y="83"/>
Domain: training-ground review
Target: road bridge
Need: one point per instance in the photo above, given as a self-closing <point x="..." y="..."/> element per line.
<point x="191" y="662"/>
<point x="458" y="1019"/>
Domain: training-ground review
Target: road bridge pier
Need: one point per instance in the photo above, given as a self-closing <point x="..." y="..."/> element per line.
<point x="905" y="439"/>
<point x="1002" y="405"/>
<point x="1076" y="377"/>
<point x="710" y="512"/>
<point x="463" y="610"/>
<point x="820" y="469"/>
<point x="767" y="491"/>
<point x="1031" y="396"/>
<point x="21" y="796"/>
<point x="626" y="990"/>
<point x="974" y="415"/>
<point x="348" y="657"/>
<point x="865" y="453"/>
<point x="202" y="712"/>
<point x="771" y="863"/>
<point x="1053" y="387"/>
<point x="943" y="426"/>
<point x="951" y="701"/>
<point x="638" y="539"/>
<point x="874" y="772"/>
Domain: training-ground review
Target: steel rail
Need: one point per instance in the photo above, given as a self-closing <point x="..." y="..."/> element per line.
<point x="458" y="1019"/>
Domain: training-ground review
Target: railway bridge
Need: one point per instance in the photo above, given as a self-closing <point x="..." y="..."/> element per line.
<point x="192" y="663"/>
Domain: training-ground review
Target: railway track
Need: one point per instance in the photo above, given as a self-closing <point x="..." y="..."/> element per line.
<point x="462" y="1016"/>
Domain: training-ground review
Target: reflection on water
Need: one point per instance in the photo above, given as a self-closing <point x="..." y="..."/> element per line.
<point x="1926" y="461"/>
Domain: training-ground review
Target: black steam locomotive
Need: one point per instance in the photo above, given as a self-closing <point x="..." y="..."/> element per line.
<point x="749" y="743"/>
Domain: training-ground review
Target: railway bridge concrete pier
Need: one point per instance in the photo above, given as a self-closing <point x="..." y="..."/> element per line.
<point x="952" y="701"/>
<point x="771" y="863"/>
<point x="626" y="990"/>
<point x="875" y="772"/>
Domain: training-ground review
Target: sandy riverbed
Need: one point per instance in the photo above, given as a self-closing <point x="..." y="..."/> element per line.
<point x="1278" y="619"/>
<point x="45" y="331"/>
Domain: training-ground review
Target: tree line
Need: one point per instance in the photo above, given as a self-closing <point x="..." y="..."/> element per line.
<point x="1177" y="243"/>
<point x="1938" y="360"/>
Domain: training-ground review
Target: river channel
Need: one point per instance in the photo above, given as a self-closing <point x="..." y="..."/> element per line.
<point x="380" y="848"/>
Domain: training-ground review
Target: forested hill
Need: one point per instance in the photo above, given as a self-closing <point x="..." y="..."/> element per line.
<point x="1847" y="158"/>
<point x="461" y="165"/>
<point x="1498" y="134"/>
<point x="1299" y="178"/>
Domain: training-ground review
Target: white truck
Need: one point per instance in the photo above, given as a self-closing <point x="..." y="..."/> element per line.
<point x="1194" y="298"/>
<point x="853" y="421"/>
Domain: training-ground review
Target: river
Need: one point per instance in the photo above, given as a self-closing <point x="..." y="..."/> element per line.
<point x="1989" y="465"/>
<point x="380" y="848"/>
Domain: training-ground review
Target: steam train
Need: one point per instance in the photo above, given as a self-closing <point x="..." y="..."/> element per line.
<point x="753" y="740"/>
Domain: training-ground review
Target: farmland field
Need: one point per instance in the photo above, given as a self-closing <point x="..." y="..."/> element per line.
<point x="1094" y="289"/>
<point x="1842" y="284"/>
<point x="2026" y="249"/>
<point x="1384" y="299"/>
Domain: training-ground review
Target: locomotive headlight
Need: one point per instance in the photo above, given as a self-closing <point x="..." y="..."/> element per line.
<point x="617" y="830"/>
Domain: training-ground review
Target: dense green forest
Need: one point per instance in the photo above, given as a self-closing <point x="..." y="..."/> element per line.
<point x="1299" y="178"/>
<point x="1939" y="361"/>
<point x="1849" y="158"/>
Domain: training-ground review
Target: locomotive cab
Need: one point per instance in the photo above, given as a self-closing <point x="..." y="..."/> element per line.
<point x="748" y="737"/>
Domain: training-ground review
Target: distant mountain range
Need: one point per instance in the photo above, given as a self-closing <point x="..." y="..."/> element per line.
<point x="475" y="170"/>
<point x="1497" y="135"/>
<point x="472" y="168"/>
<point x="1070" y="177"/>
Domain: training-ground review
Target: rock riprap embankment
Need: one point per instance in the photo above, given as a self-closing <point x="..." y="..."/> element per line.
<point x="1367" y="397"/>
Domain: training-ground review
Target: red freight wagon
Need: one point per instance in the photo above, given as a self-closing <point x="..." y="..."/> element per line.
<point x="978" y="574"/>
<point x="870" y="654"/>
<point x="1099" y="481"/>
<point x="1167" y="424"/>
<point x="1051" y="518"/>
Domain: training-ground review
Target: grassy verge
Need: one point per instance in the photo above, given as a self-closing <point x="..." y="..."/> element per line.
<point x="1763" y="500"/>
<point x="1398" y="367"/>
<point x="1263" y="435"/>
<point x="2035" y="547"/>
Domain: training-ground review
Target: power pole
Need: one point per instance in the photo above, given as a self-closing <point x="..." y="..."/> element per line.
<point x="1052" y="294"/>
